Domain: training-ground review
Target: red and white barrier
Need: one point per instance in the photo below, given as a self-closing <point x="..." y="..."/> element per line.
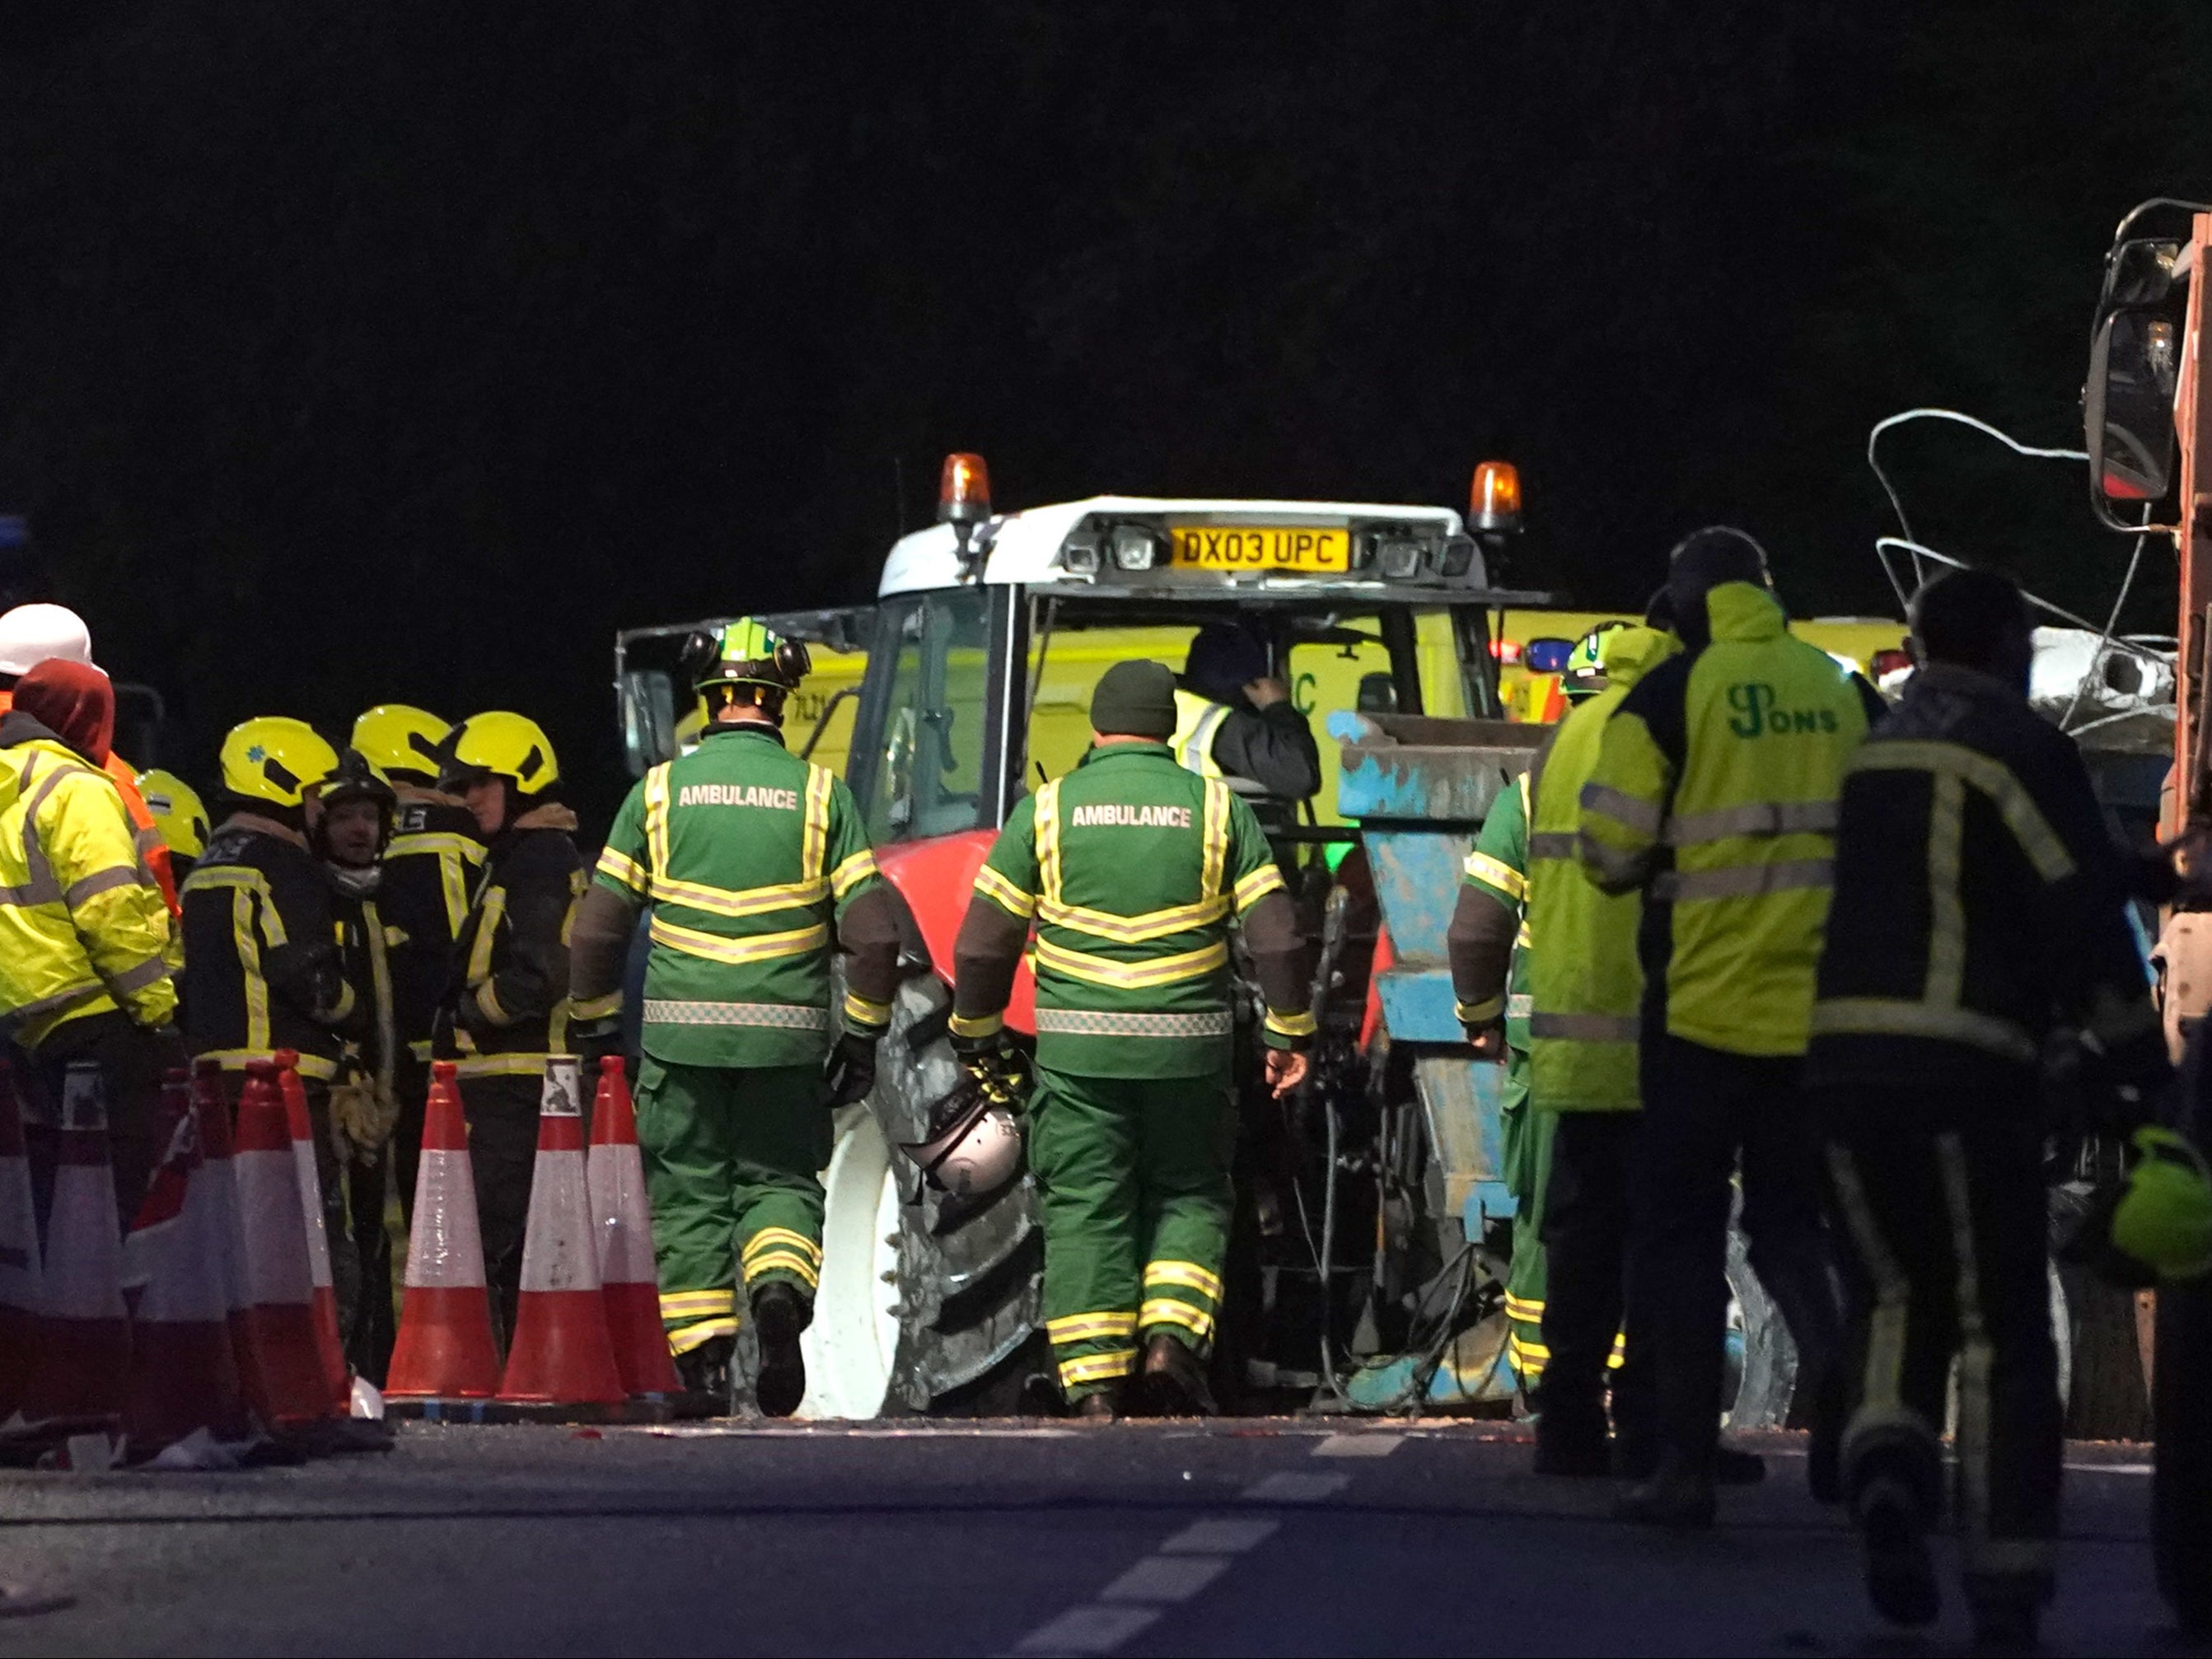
<point x="84" y="1331"/>
<point x="21" y="1279"/>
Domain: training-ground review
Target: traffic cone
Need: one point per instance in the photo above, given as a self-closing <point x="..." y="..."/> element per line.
<point x="19" y="1250"/>
<point x="562" y="1353"/>
<point x="628" y="1279"/>
<point x="205" y="1094"/>
<point x="183" y="1375"/>
<point x="281" y="1314"/>
<point x="445" y="1348"/>
<point x="332" y="1345"/>
<point x="84" y="1330"/>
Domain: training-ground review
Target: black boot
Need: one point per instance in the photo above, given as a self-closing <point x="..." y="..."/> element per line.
<point x="1571" y="1446"/>
<point x="780" y="1314"/>
<point x="1901" y="1578"/>
<point x="1675" y="1496"/>
<point x="705" y="1371"/>
<point x="1172" y="1381"/>
<point x="1099" y="1406"/>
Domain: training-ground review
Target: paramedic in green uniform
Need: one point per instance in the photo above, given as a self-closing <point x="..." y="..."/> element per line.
<point x="1132" y="868"/>
<point x="758" y="871"/>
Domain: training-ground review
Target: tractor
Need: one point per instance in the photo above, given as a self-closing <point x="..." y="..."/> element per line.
<point x="1368" y="1253"/>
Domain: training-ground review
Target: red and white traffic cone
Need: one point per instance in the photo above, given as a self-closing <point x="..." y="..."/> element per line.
<point x="183" y="1375"/>
<point x="280" y="1281"/>
<point x="84" y="1330"/>
<point x="206" y="1095"/>
<point x="445" y="1348"/>
<point x="20" y="1278"/>
<point x="562" y="1353"/>
<point x="327" y="1339"/>
<point x="628" y="1282"/>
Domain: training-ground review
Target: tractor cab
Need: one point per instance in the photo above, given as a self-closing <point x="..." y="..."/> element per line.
<point x="990" y="631"/>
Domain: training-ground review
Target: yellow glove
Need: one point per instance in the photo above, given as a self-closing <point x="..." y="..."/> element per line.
<point x="363" y="1115"/>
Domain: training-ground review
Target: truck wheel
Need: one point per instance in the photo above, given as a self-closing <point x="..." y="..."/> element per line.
<point x="1762" y="1361"/>
<point x="2181" y="1480"/>
<point x="928" y="1303"/>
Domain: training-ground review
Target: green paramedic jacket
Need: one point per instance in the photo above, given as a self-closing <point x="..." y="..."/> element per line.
<point x="1715" y="791"/>
<point x="752" y="858"/>
<point x="1131" y="867"/>
<point x="1490" y="937"/>
<point x="1586" y="994"/>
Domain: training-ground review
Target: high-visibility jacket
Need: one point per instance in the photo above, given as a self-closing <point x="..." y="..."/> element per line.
<point x="430" y="876"/>
<point x="1978" y="896"/>
<point x="506" y="1006"/>
<point x="754" y="860"/>
<point x="1132" y="868"/>
<point x="146" y="836"/>
<point x="1271" y="747"/>
<point x="1586" y="986"/>
<point x="262" y="970"/>
<point x="83" y="930"/>
<point x="1715" y="791"/>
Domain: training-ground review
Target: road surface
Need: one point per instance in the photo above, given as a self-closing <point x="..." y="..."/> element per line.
<point x="1246" y="1536"/>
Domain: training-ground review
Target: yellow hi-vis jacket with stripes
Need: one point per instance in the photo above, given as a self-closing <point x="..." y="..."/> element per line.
<point x="83" y="927"/>
<point x="1715" y="791"/>
<point x="1586" y="986"/>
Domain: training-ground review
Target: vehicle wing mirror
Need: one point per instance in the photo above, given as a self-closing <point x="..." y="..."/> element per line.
<point x="2127" y="406"/>
<point x="648" y="698"/>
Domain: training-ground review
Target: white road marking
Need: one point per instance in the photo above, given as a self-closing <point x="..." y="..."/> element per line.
<point x="1166" y="1578"/>
<point x="1357" y="1445"/>
<point x="1286" y="1487"/>
<point x="1088" y="1630"/>
<point x="2108" y="1468"/>
<point x="1219" y="1537"/>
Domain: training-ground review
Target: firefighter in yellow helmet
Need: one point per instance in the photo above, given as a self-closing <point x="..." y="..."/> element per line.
<point x="505" y="1007"/>
<point x="428" y="872"/>
<point x="179" y="815"/>
<point x="262" y="966"/>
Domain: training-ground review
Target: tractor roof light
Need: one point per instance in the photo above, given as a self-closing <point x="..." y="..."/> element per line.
<point x="1493" y="503"/>
<point x="964" y="491"/>
<point x="1135" y="548"/>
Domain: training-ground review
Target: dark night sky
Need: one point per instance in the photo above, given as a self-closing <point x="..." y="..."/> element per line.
<point x="357" y="351"/>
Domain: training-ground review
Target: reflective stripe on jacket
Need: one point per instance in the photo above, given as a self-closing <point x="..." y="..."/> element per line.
<point x="1198" y="722"/>
<point x="1586" y="987"/>
<point x="82" y="928"/>
<point x="1980" y="897"/>
<point x="1715" y="791"/>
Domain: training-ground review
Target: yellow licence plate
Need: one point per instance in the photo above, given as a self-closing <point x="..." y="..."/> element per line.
<point x="1260" y="547"/>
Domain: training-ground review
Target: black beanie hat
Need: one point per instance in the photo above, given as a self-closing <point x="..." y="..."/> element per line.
<point x="1136" y="699"/>
<point x="1224" y="658"/>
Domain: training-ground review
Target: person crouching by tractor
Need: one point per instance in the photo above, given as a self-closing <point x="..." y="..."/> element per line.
<point x="1968" y="811"/>
<point x="757" y="867"/>
<point x="505" y="1004"/>
<point x="1132" y="867"/>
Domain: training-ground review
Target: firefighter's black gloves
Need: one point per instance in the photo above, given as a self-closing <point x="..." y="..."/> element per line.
<point x="850" y="1071"/>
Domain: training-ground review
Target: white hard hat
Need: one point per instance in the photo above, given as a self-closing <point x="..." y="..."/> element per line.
<point x="974" y="1146"/>
<point x="33" y="634"/>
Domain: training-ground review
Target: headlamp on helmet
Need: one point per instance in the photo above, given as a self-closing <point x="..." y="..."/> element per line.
<point x="974" y="1143"/>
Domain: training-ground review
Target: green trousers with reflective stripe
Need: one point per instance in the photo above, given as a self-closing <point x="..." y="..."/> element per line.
<point x="1526" y="1135"/>
<point x="1133" y="1174"/>
<point x="732" y="1156"/>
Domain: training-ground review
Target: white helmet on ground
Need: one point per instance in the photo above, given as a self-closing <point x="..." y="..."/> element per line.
<point x="974" y="1145"/>
<point x="33" y="634"/>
